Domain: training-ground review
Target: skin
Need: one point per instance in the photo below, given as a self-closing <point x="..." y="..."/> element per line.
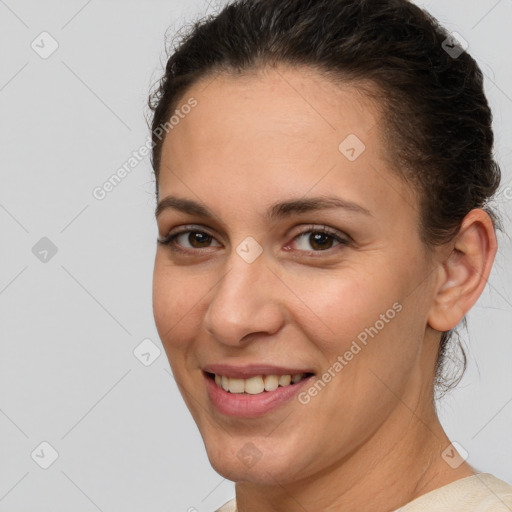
<point x="371" y="439"/>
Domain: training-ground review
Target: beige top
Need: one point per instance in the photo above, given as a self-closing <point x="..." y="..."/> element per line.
<point x="482" y="492"/>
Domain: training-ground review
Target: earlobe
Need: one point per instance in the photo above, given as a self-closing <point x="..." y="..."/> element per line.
<point x="465" y="271"/>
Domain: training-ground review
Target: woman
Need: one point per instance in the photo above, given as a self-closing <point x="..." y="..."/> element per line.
<point x="323" y="170"/>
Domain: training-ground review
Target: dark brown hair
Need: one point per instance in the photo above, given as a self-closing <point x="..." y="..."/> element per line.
<point x="437" y="117"/>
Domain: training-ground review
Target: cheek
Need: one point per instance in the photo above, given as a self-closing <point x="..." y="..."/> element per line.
<point x="176" y="300"/>
<point x="367" y="319"/>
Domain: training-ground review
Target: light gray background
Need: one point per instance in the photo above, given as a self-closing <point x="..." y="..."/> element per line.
<point x="69" y="326"/>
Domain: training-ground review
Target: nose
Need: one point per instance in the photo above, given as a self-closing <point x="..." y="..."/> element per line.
<point x="246" y="300"/>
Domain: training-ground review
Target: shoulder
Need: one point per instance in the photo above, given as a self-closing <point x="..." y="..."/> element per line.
<point x="230" y="506"/>
<point x="482" y="492"/>
<point x="495" y="495"/>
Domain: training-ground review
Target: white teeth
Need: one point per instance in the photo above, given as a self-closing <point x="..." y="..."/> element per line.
<point x="254" y="385"/>
<point x="236" y="385"/>
<point x="271" y="382"/>
<point x="258" y="384"/>
<point x="284" y="380"/>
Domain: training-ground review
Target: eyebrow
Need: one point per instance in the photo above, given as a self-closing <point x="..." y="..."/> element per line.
<point x="276" y="211"/>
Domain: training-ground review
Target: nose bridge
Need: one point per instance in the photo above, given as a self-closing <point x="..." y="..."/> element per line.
<point x="243" y="301"/>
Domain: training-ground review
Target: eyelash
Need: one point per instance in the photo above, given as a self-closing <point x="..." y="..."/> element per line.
<point x="170" y="240"/>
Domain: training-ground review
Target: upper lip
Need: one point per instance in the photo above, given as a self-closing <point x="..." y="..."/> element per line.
<point x="252" y="370"/>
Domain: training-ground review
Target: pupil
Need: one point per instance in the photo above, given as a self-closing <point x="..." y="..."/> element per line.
<point x="196" y="238"/>
<point x="318" y="238"/>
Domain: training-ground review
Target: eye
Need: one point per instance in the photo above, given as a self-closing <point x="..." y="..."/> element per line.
<point x="319" y="239"/>
<point x="195" y="238"/>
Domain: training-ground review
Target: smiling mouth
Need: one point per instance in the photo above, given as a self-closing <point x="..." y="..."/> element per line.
<point x="257" y="384"/>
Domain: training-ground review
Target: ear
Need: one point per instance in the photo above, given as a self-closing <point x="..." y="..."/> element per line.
<point x="464" y="273"/>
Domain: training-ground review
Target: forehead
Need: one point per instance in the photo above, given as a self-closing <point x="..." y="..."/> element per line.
<point x="295" y="103"/>
<point x="275" y="130"/>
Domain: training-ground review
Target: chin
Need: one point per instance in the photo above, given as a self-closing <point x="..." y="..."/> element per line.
<point x="242" y="461"/>
<point x="260" y="473"/>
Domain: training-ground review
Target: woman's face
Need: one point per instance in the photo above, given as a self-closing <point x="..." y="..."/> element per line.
<point x="257" y="289"/>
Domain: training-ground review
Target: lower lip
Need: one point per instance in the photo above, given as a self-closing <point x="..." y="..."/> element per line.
<point x="243" y="405"/>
